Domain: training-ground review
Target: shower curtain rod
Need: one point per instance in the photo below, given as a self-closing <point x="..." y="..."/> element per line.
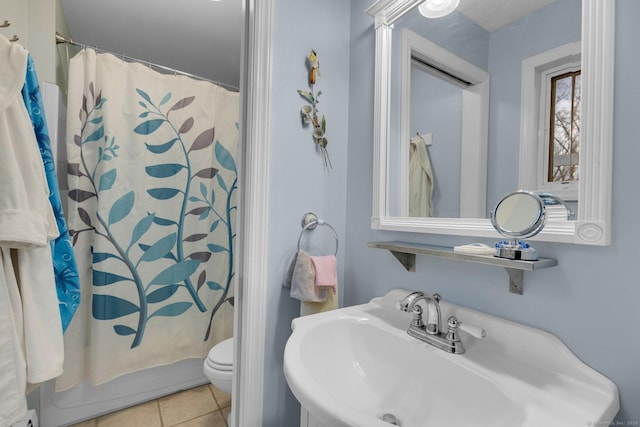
<point x="60" y="39"/>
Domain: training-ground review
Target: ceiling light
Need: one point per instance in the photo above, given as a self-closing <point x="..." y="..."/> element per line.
<point x="437" y="8"/>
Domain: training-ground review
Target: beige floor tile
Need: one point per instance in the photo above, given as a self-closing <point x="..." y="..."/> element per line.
<point x="186" y="405"/>
<point x="223" y="399"/>
<point x="89" y="423"/>
<point x="225" y="412"/>
<point x="212" y="419"/>
<point x="144" y="415"/>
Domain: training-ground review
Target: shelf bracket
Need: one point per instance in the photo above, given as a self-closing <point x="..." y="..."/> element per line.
<point x="406" y="259"/>
<point x="516" y="280"/>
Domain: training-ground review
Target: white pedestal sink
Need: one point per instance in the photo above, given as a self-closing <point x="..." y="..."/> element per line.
<point x="357" y="365"/>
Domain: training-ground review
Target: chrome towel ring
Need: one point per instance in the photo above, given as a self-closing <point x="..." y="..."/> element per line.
<point x="309" y="222"/>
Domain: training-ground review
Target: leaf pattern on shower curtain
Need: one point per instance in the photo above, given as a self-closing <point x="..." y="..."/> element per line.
<point x="194" y="192"/>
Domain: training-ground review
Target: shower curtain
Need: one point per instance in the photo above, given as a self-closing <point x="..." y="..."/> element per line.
<point x="152" y="181"/>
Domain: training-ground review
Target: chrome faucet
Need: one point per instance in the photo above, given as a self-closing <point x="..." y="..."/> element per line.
<point x="431" y="332"/>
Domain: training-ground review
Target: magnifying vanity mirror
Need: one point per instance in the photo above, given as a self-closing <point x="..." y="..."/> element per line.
<point x="465" y="99"/>
<point x="519" y="215"/>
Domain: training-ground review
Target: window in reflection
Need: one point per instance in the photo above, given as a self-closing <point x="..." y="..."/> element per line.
<point x="564" y="132"/>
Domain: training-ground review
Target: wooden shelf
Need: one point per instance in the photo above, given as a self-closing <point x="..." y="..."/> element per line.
<point x="406" y="254"/>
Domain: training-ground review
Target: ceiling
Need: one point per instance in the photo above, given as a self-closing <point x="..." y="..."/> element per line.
<point x="201" y="37"/>
<point x="493" y="14"/>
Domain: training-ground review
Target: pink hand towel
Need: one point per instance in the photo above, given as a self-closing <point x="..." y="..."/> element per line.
<point x="326" y="271"/>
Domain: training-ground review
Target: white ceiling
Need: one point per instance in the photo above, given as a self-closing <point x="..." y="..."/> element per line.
<point x="493" y="14"/>
<point x="200" y="37"/>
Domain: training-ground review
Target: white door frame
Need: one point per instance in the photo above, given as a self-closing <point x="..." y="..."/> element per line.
<point x="251" y="268"/>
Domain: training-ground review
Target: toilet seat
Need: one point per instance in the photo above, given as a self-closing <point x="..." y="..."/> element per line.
<point x="218" y="367"/>
<point x="221" y="356"/>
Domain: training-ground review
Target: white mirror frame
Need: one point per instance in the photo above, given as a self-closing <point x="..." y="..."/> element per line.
<point x="593" y="226"/>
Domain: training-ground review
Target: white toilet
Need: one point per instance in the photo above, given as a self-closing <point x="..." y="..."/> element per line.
<point x="218" y="367"/>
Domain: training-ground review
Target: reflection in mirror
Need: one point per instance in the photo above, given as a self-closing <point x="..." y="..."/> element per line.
<point x="444" y="100"/>
<point x="518" y="215"/>
<point x="497" y="53"/>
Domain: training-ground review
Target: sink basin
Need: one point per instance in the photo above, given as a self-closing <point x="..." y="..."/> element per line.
<point x="357" y="366"/>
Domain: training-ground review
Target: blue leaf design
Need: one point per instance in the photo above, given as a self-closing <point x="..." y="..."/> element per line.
<point x="102" y="278"/>
<point x="123" y="330"/>
<point x="215" y="286"/>
<point x="95" y="135"/>
<point x="216" y="248"/>
<point x="143" y="114"/>
<point x="162" y="148"/>
<point x="214" y="226"/>
<point x="167" y="256"/>
<point x="176" y="273"/>
<point x="101" y="256"/>
<point x="141" y="227"/>
<point x="203" y="190"/>
<point x="204" y="214"/>
<point x="221" y="183"/>
<point x="224" y="157"/>
<point x="144" y="95"/>
<point x="162" y="294"/>
<point x="159" y="249"/>
<point x="172" y="310"/>
<point x="107" y="180"/>
<point x="194" y="199"/>
<point x="150" y="126"/>
<point x="121" y="208"/>
<point x="163" y="171"/>
<point x="96" y="121"/>
<point x="162" y="193"/>
<point x="166" y="99"/>
<point x="164" y="222"/>
<point x="107" y="307"/>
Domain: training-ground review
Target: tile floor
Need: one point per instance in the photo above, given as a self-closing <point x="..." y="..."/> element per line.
<point x="203" y="406"/>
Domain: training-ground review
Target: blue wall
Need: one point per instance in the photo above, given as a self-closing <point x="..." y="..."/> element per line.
<point x="298" y="181"/>
<point x="590" y="300"/>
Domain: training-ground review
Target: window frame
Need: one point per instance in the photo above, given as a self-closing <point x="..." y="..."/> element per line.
<point x="534" y="121"/>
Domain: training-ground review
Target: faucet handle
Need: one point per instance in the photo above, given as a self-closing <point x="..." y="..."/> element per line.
<point x="473" y="330"/>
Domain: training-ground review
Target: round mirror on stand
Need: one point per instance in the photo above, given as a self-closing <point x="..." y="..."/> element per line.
<point x="519" y="215"/>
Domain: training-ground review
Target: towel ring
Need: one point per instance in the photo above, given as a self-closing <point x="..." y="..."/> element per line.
<point x="309" y="222"/>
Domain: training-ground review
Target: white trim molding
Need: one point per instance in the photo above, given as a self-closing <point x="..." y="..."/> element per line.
<point x="250" y="307"/>
<point x="593" y="226"/>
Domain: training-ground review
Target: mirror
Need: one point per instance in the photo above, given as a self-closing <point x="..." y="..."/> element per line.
<point x="520" y="214"/>
<point x="594" y="209"/>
